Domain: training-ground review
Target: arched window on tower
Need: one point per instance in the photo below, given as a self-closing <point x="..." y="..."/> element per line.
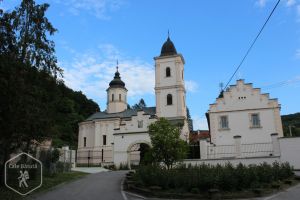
<point x="169" y="99"/>
<point x="112" y="97"/>
<point x="120" y="97"/>
<point x="168" y="72"/>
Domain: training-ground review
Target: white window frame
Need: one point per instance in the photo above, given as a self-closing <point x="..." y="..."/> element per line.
<point x="140" y="123"/>
<point x="257" y="125"/>
<point x="221" y="122"/>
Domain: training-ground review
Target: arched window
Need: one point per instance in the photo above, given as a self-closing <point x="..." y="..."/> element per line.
<point x="168" y="72"/>
<point x="112" y="97"/>
<point x="169" y="99"/>
<point x="120" y="97"/>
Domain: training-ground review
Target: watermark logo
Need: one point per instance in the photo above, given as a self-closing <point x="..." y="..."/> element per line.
<point x="23" y="174"/>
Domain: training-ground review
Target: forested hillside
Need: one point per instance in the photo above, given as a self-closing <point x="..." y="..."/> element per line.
<point x="34" y="102"/>
<point x="292" y="120"/>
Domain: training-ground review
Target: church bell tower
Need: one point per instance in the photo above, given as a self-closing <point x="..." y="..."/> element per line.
<point x="116" y="95"/>
<point x="169" y="85"/>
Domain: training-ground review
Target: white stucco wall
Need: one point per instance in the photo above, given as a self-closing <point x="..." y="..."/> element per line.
<point x="122" y="145"/>
<point x="290" y="150"/>
<point x="173" y="85"/>
<point x="116" y="105"/>
<point x="238" y="104"/>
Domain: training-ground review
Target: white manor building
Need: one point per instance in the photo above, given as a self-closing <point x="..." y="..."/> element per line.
<point x="243" y="111"/>
<point x="116" y="134"/>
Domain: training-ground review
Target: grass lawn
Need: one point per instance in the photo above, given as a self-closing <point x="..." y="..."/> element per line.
<point x="48" y="183"/>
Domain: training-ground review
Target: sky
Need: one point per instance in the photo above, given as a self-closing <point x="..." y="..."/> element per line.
<point x="212" y="36"/>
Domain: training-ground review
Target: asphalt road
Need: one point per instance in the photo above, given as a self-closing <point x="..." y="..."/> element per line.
<point x="107" y="186"/>
<point x="99" y="186"/>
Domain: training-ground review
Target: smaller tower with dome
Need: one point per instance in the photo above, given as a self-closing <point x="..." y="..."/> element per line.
<point x="116" y="94"/>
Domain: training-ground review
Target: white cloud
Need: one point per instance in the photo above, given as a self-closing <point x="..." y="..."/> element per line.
<point x="91" y="73"/>
<point x="261" y="3"/>
<point x="290" y="3"/>
<point x="200" y="123"/>
<point x="191" y="86"/>
<point x="98" y="8"/>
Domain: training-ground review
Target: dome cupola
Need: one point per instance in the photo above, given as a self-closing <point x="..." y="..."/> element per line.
<point x="117" y="82"/>
<point x="168" y="48"/>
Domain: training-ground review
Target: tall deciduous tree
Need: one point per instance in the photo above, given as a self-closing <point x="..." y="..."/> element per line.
<point x="34" y="104"/>
<point x="167" y="147"/>
<point x="24" y="34"/>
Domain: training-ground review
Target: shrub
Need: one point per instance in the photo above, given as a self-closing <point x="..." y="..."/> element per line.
<point x="205" y="177"/>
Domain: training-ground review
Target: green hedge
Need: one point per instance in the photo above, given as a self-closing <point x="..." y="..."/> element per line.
<point x="204" y="177"/>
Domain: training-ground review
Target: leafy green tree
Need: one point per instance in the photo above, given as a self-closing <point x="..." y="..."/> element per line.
<point x="34" y="104"/>
<point x="167" y="147"/>
<point x="24" y="36"/>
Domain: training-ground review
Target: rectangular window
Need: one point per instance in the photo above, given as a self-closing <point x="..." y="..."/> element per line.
<point x="120" y="97"/>
<point x="255" y="121"/>
<point x="104" y="139"/>
<point x="84" y="141"/>
<point x="140" y="124"/>
<point x="224" y="122"/>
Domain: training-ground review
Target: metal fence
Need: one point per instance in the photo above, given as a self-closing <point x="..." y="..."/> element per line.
<point x="246" y="150"/>
<point x="256" y="149"/>
<point x="94" y="157"/>
<point x="220" y="151"/>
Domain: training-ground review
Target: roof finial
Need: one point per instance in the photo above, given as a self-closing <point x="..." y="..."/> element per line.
<point x="117" y="65"/>
<point x="168" y="33"/>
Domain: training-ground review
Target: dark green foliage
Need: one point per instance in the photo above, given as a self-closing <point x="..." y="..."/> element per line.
<point x="292" y="120"/>
<point x="167" y="147"/>
<point x="34" y="104"/>
<point x="189" y="119"/>
<point x="205" y="177"/>
<point x="139" y="105"/>
<point x="24" y="36"/>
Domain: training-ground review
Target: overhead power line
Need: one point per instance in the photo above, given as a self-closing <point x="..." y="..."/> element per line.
<point x="252" y="44"/>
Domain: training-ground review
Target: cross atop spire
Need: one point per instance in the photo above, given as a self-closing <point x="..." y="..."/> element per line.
<point x="168" y="33"/>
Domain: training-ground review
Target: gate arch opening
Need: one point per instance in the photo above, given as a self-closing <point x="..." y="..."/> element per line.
<point x="136" y="152"/>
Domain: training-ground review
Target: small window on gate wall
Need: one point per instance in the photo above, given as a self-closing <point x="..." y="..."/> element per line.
<point x="84" y="141"/>
<point x="169" y="99"/>
<point x="168" y="72"/>
<point x="104" y="139"/>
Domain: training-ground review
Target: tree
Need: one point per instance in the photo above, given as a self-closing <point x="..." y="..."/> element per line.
<point x="139" y="105"/>
<point x="34" y="104"/>
<point x="167" y="147"/>
<point x="189" y="119"/>
<point x="24" y="36"/>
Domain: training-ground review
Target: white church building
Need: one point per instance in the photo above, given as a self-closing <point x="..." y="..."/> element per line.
<point x="242" y="122"/>
<point x="116" y="134"/>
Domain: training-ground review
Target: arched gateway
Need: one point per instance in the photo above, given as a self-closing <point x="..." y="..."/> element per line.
<point x="136" y="152"/>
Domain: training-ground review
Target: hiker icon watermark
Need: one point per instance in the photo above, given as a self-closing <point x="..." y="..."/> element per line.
<point x="23" y="174"/>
